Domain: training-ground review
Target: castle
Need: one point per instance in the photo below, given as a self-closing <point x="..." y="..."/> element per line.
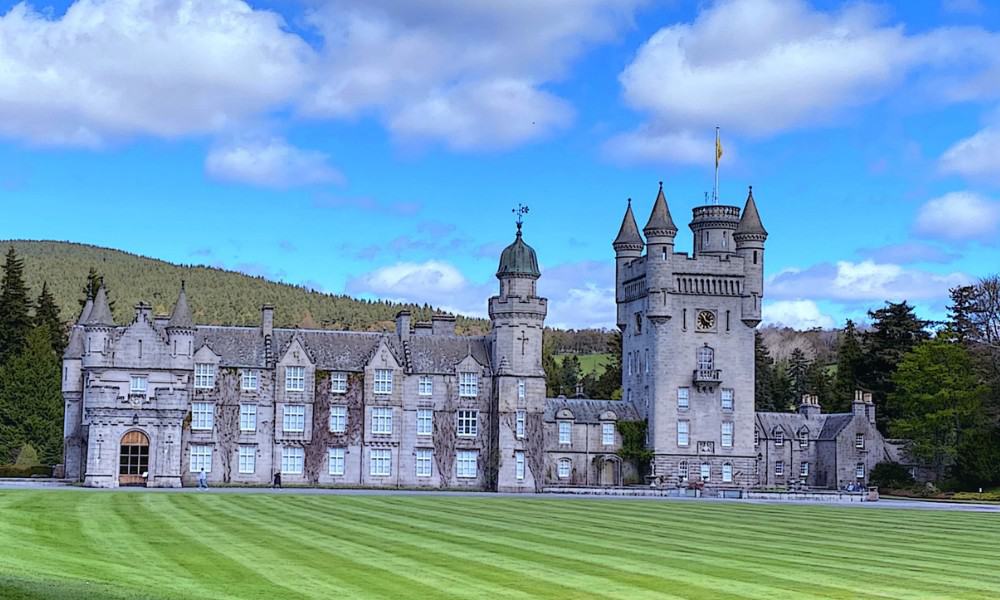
<point x="160" y="400"/>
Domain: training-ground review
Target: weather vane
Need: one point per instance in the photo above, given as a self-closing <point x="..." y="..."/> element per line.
<point x="520" y="211"/>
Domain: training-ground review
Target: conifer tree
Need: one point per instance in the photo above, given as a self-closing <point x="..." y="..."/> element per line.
<point x="849" y="363"/>
<point x="798" y="372"/>
<point x="31" y="404"/>
<point x="763" y="375"/>
<point x="15" y="307"/>
<point x="47" y="313"/>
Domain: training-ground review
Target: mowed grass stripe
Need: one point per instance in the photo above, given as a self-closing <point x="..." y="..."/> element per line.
<point x="217" y="546"/>
<point x="893" y="585"/>
<point x="675" y="567"/>
<point x="507" y="565"/>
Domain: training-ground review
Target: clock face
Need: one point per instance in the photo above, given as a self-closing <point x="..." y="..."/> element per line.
<point x="706" y="320"/>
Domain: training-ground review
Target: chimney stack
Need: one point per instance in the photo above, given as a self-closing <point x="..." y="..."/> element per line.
<point x="443" y="325"/>
<point x="403" y="325"/>
<point x="267" y="320"/>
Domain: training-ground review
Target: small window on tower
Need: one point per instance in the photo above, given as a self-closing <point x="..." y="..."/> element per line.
<point x="664" y="249"/>
<point x="638" y="323"/>
<point x="754" y="257"/>
<point x="706" y="238"/>
<point x="725" y="239"/>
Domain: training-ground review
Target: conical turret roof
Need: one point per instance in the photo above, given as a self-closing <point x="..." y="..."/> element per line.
<point x="100" y="314"/>
<point x="518" y="259"/>
<point x="628" y="236"/>
<point x="750" y="224"/>
<point x="85" y="313"/>
<point x="660" y="222"/>
<point x="181" y="317"/>
<point x="74" y="349"/>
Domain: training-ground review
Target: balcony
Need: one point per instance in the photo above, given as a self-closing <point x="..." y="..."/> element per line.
<point x="707" y="377"/>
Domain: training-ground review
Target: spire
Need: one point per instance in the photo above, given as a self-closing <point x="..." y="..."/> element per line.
<point x="100" y="314"/>
<point x="85" y="313"/>
<point x="660" y="222"/>
<point x="750" y="225"/>
<point x="181" y="317"/>
<point x="75" y="347"/>
<point x="628" y="236"/>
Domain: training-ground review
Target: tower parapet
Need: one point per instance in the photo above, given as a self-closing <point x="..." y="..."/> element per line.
<point x="713" y="227"/>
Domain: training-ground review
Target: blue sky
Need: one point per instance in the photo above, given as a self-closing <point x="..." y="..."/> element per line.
<point x="378" y="147"/>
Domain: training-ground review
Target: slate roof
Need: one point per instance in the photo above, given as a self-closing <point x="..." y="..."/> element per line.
<point x="834" y="425"/>
<point x="100" y="314"/>
<point x="628" y="235"/>
<point x="660" y="221"/>
<point x="440" y="354"/>
<point x="85" y="313"/>
<point x="237" y="346"/>
<point x="181" y="317"/>
<point x="74" y="349"/>
<point x="750" y="221"/>
<point x="821" y="427"/>
<point x="589" y="411"/>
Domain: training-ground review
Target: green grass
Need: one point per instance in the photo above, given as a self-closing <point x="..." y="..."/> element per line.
<point x="79" y="544"/>
<point x="589" y="363"/>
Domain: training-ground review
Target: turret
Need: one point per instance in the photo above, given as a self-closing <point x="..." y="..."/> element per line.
<point x="660" y="232"/>
<point x="97" y="328"/>
<point x="180" y="330"/>
<point x="517" y="313"/>
<point x="713" y="227"/>
<point x="628" y="247"/>
<point x="750" y="237"/>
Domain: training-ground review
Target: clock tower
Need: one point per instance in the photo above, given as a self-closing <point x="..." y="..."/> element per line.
<point x="687" y="325"/>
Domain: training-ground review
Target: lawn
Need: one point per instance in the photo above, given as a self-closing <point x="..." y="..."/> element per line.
<point x="79" y="544"/>
<point x="589" y="363"/>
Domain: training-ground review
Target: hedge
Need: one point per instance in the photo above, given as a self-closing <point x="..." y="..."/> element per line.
<point x="23" y="472"/>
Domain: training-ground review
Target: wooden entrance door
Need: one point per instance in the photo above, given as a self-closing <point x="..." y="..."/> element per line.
<point x="609" y="473"/>
<point x="133" y="460"/>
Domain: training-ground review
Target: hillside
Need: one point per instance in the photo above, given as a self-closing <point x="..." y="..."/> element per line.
<point x="217" y="296"/>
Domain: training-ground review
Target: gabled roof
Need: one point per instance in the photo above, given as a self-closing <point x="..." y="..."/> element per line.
<point x="440" y="354"/>
<point x="590" y="411"/>
<point x="660" y="222"/>
<point x="834" y="425"/>
<point x="181" y="317"/>
<point x="100" y="314"/>
<point x="628" y="236"/>
<point x="750" y="224"/>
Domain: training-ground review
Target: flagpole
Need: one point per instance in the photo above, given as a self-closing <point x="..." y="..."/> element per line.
<point x="716" y="192"/>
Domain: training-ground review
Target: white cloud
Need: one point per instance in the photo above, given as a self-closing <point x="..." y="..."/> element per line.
<point x="976" y="157"/>
<point x="469" y="74"/>
<point x="270" y="163"/>
<point x="959" y="216"/>
<point x="435" y="282"/>
<point x="581" y="294"/>
<point x="797" y="314"/>
<point x="109" y="69"/>
<point x="865" y="281"/>
<point x="648" y="145"/>
<point x="762" y="67"/>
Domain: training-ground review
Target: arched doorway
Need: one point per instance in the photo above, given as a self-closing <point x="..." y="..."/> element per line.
<point x="609" y="471"/>
<point x="133" y="459"/>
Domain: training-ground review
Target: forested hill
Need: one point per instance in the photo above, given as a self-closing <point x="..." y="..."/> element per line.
<point x="217" y="296"/>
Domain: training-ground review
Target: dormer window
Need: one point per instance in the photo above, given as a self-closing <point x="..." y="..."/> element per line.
<point x="803" y="438"/>
<point x="779" y="437"/>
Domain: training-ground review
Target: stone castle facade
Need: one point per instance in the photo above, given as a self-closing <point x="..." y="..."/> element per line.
<point x="160" y="400"/>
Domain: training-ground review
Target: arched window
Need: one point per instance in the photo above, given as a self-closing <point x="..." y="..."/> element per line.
<point x="565" y="468"/>
<point x="706" y="359"/>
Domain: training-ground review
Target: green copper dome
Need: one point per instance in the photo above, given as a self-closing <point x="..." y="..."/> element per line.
<point x="518" y="260"/>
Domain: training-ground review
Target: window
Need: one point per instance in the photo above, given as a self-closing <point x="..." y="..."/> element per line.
<point x="608" y="434"/>
<point x="519" y="424"/>
<point x="424" y="456"/>
<point x="706" y="359"/>
<point x="338" y="418"/>
<point x="521" y="389"/>
<point x="292" y="459"/>
<point x="338" y="383"/>
<point x="137" y="385"/>
<point x="727" y="434"/>
<point x="683" y="398"/>
<point x="859" y="470"/>
<point x="295" y="379"/>
<point x="293" y="418"/>
<point x="248" y="459"/>
<point x="468" y="385"/>
<point x="382" y="420"/>
<point x="565" y="466"/>
<point x="468" y="423"/>
<point x="859" y="441"/>
<point x="682" y="469"/>
<point x="248" y="417"/>
<point x="565" y="432"/>
<point x="425" y="421"/>
<point x="638" y="323"/>
<point x="381" y="462"/>
<point x="383" y="381"/>
<point x="425" y="387"/>
<point x="706" y="471"/>
<point x="803" y="438"/>
<point x="204" y="376"/>
<point x="336" y="461"/>
<point x="804" y="470"/>
<point x="727" y="473"/>
<point x="779" y="468"/>
<point x="467" y="464"/>
<point x="201" y="458"/>
<point x="248" y="379"/>
<point x="756" y="437"/>
<point x="683" y="433"/>
<point x="202" y="415"/>
<point x="646" y="366"/>
<point x="727" y="399"/>
<point x="519" y="465"/>
<point x="779" y="437"/>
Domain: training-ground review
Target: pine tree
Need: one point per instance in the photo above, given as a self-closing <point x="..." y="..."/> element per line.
<point x="849" y="363"/>
<point x="31" y="404"/>
<point x="961" y="311"/>
<point x="47" y="313"/>
<point x="763" y="375"/>
<point x="15" y="307"/>
<point x="798" y="372"/>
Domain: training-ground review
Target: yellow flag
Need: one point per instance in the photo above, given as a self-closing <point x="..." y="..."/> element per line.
<point x="718" y="149"/>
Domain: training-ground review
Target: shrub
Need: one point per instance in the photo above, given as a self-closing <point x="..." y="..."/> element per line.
<point x="891" y="475"/>
<point x="24" y="472"/>
<point x="27" y="457"/>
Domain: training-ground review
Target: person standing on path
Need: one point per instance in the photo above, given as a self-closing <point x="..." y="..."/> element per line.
<point x="277" y="480"/>
<point x="202" y="480"/>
